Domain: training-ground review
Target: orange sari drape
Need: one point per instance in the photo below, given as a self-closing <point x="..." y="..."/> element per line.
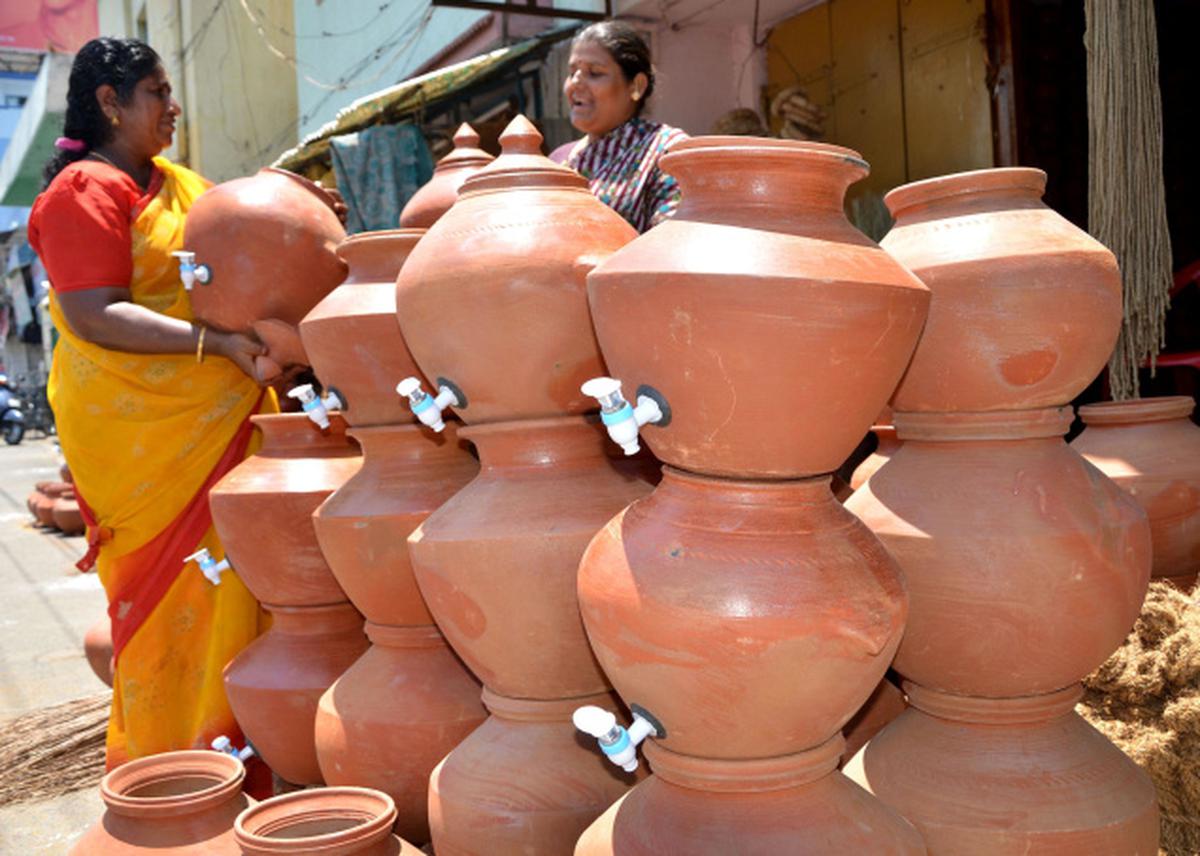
<point x="146" y="436"/>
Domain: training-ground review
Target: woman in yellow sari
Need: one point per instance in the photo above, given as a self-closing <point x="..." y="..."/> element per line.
<point x="151" y="408"/>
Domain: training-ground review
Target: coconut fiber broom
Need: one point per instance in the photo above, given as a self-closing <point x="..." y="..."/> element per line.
<point x="53" y="751"/>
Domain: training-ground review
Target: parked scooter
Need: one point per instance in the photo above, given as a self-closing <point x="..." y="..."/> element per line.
<point x="12" y="419"/>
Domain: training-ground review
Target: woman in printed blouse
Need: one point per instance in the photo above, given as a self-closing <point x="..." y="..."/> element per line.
<point x="610" y="80"/>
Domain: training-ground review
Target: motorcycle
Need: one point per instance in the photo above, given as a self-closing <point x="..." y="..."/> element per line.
<point x="12" y="419"/>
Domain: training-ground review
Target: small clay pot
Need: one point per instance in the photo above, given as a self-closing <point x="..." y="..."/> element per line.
<point x="98" y="649"/>
<point x="888" y="444"/>
<point x="434" y="199"/>
<point x="1151" y="449"/>
<point x="43" y="502"/>
<point x="325" y="822"/>
<point x="178" y="802"/>
<point x="66" y="515"/>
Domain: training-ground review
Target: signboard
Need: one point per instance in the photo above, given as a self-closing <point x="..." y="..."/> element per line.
<point x="47" y="25"/>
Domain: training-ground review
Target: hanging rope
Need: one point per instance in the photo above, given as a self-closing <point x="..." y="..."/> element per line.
<point x="1126" y="197"/>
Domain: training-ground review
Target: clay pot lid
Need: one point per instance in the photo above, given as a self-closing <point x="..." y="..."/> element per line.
<point x="309" y="185"/>
<point x="1009" y="178"/>
<point x="1138" y="410"/>
<point x="172" y="783"/>
<point x="466" y="151"/>
<point x="323" y="820"/>
<point x="522" y="164"/>
<point x="989" y="425"/>
<point x="764" y="148"/>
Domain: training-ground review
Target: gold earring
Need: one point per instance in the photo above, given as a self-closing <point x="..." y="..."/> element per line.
<point x="116" y="120"/>
<point x="636" y="95"/>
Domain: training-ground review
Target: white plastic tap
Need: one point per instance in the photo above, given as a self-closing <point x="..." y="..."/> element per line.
<point x="209" y="566"/>
<point x="618" y="743"/>
<point x="426" y="407"/>
<point x="621" y="418"/>
<point x="316" y="409"/>
<point x="224" y="744"/>
<point x="190" y="272"/>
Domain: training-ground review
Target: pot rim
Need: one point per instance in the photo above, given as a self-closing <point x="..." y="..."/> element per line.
<point x="933" y="426"/>
<point x="965" y="183"/>
<point x="745" y="775"/>
<point x="763" y="147"/>
<point x="1138" y="410"/>
<point x="375" y="810"/>
<point x="993" y="711"/>
<point x="227" y="773"/>
<point x="359" y="239"/>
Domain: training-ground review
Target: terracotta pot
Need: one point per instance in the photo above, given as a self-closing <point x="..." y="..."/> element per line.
<point x="351" y="336"/>
<point x="270" y="241"/>
<point x="275" y="683"/>
<point x="884" y="705"/>
<point x="394" y="715"/>
<point x="43" y="502"/>
<point x="774" y="330"/>
<point x="497" y="562"/>
<point x="66" y="515"/>
<point x="98" y="649"/>
<point x="804" y="594"/>
<point x="523" y="784"/>
<point x="1151" y="449"/>
<point x="768" y="807"/>
<point x="1000" y="777"/>
<point x="888" y="444"/>
<point x="178" y="802"/>
<point x="332" y="821"/>
<point x="274" y="493"/>
<point x="511" y="255"/>
<point x="64" y="473"/>
<point x="440" y="192"/>
<point x="1026" y="306"/>
<point x="1023" y="578"/>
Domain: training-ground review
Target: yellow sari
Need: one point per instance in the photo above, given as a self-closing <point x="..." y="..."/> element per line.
<point x="146" y="436"/>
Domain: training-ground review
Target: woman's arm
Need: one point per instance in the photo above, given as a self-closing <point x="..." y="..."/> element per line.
<point x="106" y="317"/>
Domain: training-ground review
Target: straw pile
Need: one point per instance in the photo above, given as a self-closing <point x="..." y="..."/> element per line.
<point x="1146" y="699"/>
<point x="53" y="751"/>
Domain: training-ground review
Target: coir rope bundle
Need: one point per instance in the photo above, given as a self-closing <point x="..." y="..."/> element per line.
<point x="1126" y="198"/>
<point x="1146" y="699"/>
<point x="53" y="751"/>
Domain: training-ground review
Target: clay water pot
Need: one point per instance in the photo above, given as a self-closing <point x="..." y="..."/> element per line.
<point x="1026" y="306"/>
<point x="43" y="501"/>
<point x="330" y="821"/>
<point x="1151" y="449"/>
<point x="888" y="444"/>
<point x="263" y="509"/>
<point x="774" y="329"/>
<point x="276" y="682"/>
<point x="440" y="192"/>
<point x="181" y="803"/>
<point x="351" y="337"/>
<point x="1001" y="777"/>
<point x="394" y="715"/>
<point x="1027" y="574"/>
<point x="98" y="649"/>
<point x="493" y="298"/>
<point x="550" y="786"/>
<point x="767" y="807"/>
<point x="66" y="515"/>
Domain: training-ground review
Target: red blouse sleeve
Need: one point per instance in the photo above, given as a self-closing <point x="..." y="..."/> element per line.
<point x="80" y="228"/>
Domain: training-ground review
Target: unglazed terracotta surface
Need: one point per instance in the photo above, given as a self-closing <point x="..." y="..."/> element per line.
<point x="1151" y="448"/>
<point x="175" y="804"/>
<point x="352" y="338"/>
<point x="440" y="192"/>
<point x="275" y="683"/>
<point x="274" y="493"/>
<point x="494" y="299"/>
<point x="1026" y="306"/>
<point x="98" y="649"/>
<point x="341" y="821"/>
<point x="888" y="444"/>
<point x="773" y="328"/>
<point x="885" y="704"/>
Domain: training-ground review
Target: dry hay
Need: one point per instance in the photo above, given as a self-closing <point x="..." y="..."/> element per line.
<point x="1146" y="699"/>
<point x="53" y="751"/>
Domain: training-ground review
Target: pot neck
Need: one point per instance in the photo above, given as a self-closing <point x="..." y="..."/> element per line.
<point x="1041" y="423"/>
<point x="555" y="710"/>
<point x="375" y="257"/>
<point x="342" y="820"/>
<point x="293" y="435"/>
<point x="967" y="193"/>
<point x="173" y="784"/>
<point x="333" y="619"/>
<point x="765" y="507"/>
<point x="993" y="711"/>
<point x="405" y="636"/>
<point x="755" y="775"/>
<point x="540" y="443"/>
<point x="1138" y="411"/>
<point x="392" y="448"/>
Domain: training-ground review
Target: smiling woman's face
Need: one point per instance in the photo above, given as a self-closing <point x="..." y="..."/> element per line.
<point x="599" y="96"/>
<point x="147" y="122"/>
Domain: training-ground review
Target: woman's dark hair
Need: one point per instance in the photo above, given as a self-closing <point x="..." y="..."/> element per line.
<point x="121" y="63"/>
<point x="627" y="48"/>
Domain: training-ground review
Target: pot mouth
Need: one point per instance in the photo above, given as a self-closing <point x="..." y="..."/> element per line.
<point x="381" y="236"/>
<point x="986" y="425"/>
<point x="553" y="710"/>
<point x="993" y="711"/>
<point x="751" y="775"/>
<point x="324" y="820"/>
<point x="173" y="783"/>
<point x="1138" y="410"/>
<point x="714" y="146"/>
<point x="1010" y="178"/>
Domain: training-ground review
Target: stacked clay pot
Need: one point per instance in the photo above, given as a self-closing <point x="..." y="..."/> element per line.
<point x="888" y="443"/>
<point x="1026" y="567"/>
<point x="42" y="501"/>
<point x="408" y="700"/>
<point x="262" y="510"/>
<point x="269" y="242"/>
<point x="341" y="821"/>
<point x="441" y="191"/>
<point x="493" y="304"/>
<point x="740" y="605"/>
<point x="1151" y="448"/>
<point x="181" y="803"/>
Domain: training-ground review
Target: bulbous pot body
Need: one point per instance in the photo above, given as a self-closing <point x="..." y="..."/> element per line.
<point x="407" y="473"/>
<point x="343" y="821"/>
<point x="888" y="444"/>
<point x="436" y="196"/>
<point x="497" y="562"/>
<point x="752" y="619"/>
<point x="177" y="803"/>
<point x="1026" y="566"/>
<point x="1026" y="306"/>
<point x="774" y="329"/>
<point x="276" y="682"/>
<point x="394" y="715"/>
<point x="263" y="509"/>
<point x="351" y="337"/>
<point x="1151" y="449"/>
<point x="98" y="649"/>
<point x="270" y="241"/>
<point x="493" y="298"/>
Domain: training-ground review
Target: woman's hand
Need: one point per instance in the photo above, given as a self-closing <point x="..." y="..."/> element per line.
<point x="236" y="347"/>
